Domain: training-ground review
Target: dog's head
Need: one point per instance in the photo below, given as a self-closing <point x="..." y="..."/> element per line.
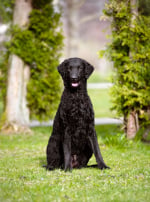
<point x="74" y="70"/>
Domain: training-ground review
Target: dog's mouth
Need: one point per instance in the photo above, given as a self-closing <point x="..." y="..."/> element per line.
<point x="75" y="84"/>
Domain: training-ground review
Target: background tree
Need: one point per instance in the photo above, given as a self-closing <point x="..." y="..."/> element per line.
<point x="71" y="12"/>
<point x="34" y="50"/>
<point x="132" y="125"/>
<point x="16" y="111"/>
<point x="5" y="18"/>
<point x="129" y="50"/>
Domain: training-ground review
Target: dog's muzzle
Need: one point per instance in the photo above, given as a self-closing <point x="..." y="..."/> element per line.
<point x="74" y="84"/>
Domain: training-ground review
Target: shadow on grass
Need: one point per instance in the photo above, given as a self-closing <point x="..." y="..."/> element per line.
<point x="42" y="162"/>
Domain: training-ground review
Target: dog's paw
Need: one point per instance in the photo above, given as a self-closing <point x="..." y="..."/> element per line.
<point x="103" y="166"/>
<point x="49" y="167"/>
<point x="67" y="168"/>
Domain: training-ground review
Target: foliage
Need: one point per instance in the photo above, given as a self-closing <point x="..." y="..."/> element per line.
<point x="130" y="52"/>
<point x="6" y="8"/>
<point x="40" y="46"/>
<point x="3" y="72"/>
<point x="144" y="7"/>
<point x="22" y="177"/>
<point x="39" y="4"/>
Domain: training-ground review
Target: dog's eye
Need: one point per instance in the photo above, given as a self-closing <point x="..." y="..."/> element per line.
<point x="80" y="68"/>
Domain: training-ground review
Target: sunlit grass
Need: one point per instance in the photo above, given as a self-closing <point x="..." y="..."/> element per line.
<point x="22" y="177"/>
<point x="101" y="102"/>
<point x="97" y="77"/>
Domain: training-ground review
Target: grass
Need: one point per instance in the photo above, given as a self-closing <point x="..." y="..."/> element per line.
<point x="96" y="77"/>
<point x="100" y="97"/>
<point x="22" y="177"/>
<point x="101" y="102"/>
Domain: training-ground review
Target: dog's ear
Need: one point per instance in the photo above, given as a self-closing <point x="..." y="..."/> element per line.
<point x="62" y="69"/>
<point x="88" y="69"/>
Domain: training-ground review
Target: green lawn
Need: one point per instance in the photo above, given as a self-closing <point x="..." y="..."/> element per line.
<point x="22" y="177"/>
<point x="101" y="102"/>
<point x="96" y="78"/>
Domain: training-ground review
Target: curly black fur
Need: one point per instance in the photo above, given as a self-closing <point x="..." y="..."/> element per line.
<point x="73" y="140"/>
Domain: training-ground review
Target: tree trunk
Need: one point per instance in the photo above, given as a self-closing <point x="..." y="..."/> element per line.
<point x="17" y="112"/>
<point x="72" y="21"/>
<point x="146" y="134"/>
<point x="134" y="10"/>
<point x="132" y="125"/>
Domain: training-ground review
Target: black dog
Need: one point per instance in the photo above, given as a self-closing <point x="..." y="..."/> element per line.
<point x="73" y="140"/>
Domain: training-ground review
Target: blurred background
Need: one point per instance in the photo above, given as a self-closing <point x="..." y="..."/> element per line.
<point x="86" y="33"/>
<point x="41" y="34"/>
<point x="84" y="30"/>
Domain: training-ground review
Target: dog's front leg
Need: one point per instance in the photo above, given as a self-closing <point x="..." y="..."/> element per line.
<point x="96" y="151"/>
<point x="67" y="151"/>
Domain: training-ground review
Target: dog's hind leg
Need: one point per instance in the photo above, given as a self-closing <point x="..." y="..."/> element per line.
<point x="54" y="153"/>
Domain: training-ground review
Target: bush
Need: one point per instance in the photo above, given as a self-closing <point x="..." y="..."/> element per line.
<point x="40" y="47"/>
<point x="129" y="50"/>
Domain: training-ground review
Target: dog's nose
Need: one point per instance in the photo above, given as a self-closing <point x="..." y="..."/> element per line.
<point x="74" y="79"/>
<point x="74" y="74"/>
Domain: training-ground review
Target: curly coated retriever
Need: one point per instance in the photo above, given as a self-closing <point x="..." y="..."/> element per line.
<point x="73" y="140"/>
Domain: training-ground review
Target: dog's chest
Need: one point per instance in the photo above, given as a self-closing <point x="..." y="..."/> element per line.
<point x="77" y="109"/>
